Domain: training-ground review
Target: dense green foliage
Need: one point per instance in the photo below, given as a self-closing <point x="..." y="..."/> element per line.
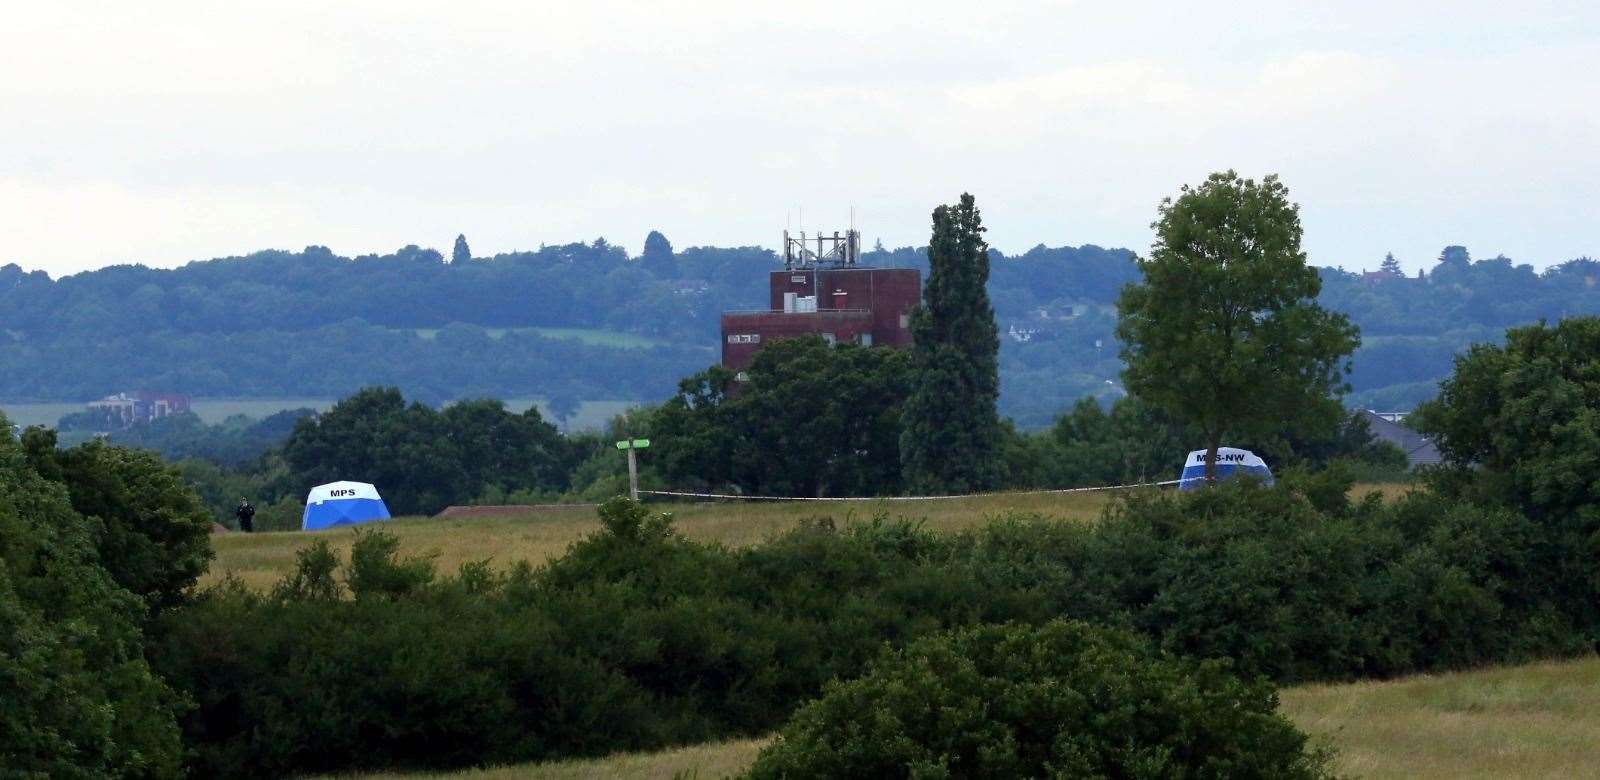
<point x="235" y="441"/>
<point x="1223" y="333"/>
<point x="426" y="459"/>
<point x="1134" y="443"/>
<point x="813" y="420"/>
<point x="150" y="531"/>
<point x="311" y="324"/>
<point x="951" y="437"/>
<point x="1061" y="700"/>
<point x="79" y="700"/>
<point x="1519" y="426"/>
<point x="1520" y="423"/>
<point x="639" y="638"/>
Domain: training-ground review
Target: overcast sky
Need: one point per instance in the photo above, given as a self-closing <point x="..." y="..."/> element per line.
<point x="165" y="132"/>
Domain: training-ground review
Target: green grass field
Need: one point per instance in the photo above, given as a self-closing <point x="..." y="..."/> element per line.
<point x="1535" y="721"/>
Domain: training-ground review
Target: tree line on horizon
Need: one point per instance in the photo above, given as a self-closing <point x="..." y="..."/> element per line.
<point x="314" y="324"/>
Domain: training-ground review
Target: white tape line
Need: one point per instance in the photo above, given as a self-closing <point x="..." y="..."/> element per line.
<point x="909" y="498"/>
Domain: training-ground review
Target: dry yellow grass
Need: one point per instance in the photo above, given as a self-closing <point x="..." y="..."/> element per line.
<point x="1388" y="490"/>
<point x="261" y="559"/>
<point x="1535" y="721"/>
<point x="701" y="762"/>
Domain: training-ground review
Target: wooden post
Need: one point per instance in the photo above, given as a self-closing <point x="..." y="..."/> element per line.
<point x="631" y="445"/>
<point x="633" y="474"/>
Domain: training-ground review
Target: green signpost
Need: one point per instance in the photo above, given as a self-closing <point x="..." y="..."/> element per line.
<point x="633" y="446"/>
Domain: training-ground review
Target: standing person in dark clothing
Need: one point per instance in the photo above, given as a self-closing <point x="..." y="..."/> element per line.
<point x="246" y="515"/>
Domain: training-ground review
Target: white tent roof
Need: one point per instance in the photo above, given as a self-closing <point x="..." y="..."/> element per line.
<point x="342" y="491"/>
<point x="1226" y="455"/>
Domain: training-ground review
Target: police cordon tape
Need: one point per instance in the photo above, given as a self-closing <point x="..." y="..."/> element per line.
<point x="909" y="498"/>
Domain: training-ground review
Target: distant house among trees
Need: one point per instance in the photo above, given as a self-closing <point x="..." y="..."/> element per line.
<point x="1419" y="449"/>
<point x="1389" y="271"/>
<point x="126" y="410"/>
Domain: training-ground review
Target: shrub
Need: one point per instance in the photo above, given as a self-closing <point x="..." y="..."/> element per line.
<point x="1063" y="700"/>
<point x="284" y="514"/>
<point x="375" y="571"/>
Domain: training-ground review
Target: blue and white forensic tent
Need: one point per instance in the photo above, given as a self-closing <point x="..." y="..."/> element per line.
<point x="1231" y="462"/>
<point x="342" y="503"/>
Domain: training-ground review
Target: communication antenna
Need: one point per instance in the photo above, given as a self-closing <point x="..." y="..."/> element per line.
<point x="821" y="251"/>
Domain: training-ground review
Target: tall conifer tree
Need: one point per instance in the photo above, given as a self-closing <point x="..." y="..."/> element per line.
<point x="951" y="437"/>
<point x="462" y="253"/>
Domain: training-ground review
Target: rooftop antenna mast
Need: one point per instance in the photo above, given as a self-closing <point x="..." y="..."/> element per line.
<point x="801" y="252"/>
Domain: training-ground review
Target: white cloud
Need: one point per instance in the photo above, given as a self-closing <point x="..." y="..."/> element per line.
<point x="187" y="129"/>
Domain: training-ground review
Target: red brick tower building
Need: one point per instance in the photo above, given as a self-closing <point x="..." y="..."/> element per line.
<point x="823" y="291"/>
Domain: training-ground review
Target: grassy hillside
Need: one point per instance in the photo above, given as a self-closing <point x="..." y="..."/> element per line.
<point x="1536" y="721"/>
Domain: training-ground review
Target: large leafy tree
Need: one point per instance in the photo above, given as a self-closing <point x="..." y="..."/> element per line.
<point x="1520" y="424"/>
<point x="1134" y="442"/>
<point x="421" y="459"/>
<point x="78" y="698"/>
<point x="1223" y="333"/>
<point x="374" y="436"/>
<point x="503" y="449"/>
<point x="951" y="441"/>
<point x="813" y="420"/>
<point x="697" y="432"/>
<point x="822" y="420"/>
<point x="151" y="531"/>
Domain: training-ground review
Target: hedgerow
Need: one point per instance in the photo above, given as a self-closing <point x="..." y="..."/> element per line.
<point x="639" y="638"/>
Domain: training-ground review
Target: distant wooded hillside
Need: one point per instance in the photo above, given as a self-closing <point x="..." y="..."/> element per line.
<point x="587" y="320"/>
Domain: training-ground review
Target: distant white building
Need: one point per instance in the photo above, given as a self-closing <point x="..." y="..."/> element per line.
<point x="1021" y="335"/>
<point x="141" y="407"/>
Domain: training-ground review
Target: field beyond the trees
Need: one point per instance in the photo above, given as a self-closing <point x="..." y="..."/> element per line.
<point x="261" y="559"/>
<point x="1535" y="721"/>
